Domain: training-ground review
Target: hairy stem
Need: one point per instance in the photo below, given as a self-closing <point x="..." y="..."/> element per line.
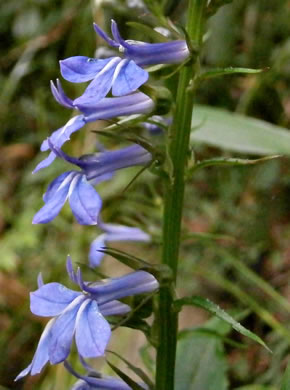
<point x="178" y="148"/>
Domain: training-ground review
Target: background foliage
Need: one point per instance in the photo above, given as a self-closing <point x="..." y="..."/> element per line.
<point x="237" y="227"/>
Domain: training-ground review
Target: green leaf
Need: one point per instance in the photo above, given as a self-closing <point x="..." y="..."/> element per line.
<point x="286" y="379"/>
<point x="200" y="363"/>
<point x="142" y="375"/>
<point x="147" y="359"/>
<point x="229" y="71"/>
<point x="229" y="162"/>
<point x="126" y="122"/>
<point x="129" y="260"/>
<point x="226" y="130"/>
<point x="161" y="271"/>
<point x="211" y="332"/>
<point x="134" y="385"/>
<point x="216" y="310"/>
<point x="256" y="387"/>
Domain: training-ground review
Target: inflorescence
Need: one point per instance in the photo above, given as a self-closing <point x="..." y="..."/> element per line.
<point x="82" y="315"/>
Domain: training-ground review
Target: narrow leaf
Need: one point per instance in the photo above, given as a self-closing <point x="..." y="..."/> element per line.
<point x="235" y="132"/>
<point x="229" y="71"/>
<point x="256" y="387"/>
<point x="230" y="162"/>
<point x="129" y="260"/>
<point x="142" y="375"/>
<point x="161" y="271"/>
<point x="147" y="359"/>
<point x="286" y="379"/>
<point x="134" y="385"/>
<point x="128" y="121"/>
<point x="211" y="332"/>
<point x="216" y="310"/>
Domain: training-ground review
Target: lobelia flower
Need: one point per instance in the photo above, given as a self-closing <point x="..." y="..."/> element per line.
<point x="107" y="108"/>
<point x="81" y="315"/>
<point x="113" y="232"/>
<point x="77" y="186"/>
<point x="125" y="75"/>
<point x="95" y="380"/>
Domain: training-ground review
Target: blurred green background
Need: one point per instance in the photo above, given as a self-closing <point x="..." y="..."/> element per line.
<point x="236" y="248"/>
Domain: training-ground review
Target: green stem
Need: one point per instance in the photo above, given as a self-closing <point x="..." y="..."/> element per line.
<point x="178" y="148"/>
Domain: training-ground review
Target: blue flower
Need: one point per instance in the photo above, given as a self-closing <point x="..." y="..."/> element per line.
<point x="84" y="201"/>
<point x="107" y="108"/>
<point x="113" y="232"/>
<point x="122" y="75"/>
<point x="95" y="380"/>
<point x="81" y="315"/>
<point x="77" y="188"/>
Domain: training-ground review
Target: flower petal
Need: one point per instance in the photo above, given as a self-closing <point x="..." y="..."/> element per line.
<point x="128" y="77"/>
<point x="79" y="69"/>
<point x="70" y="270"/>
<point x="60" y="95"/>
<point x="85" y="202"/>
<point x="40" y="281"/>
<point x="101" y="84"/>
<point x="137" y="282"/>
<point x="135" y="103"/>
<point x="92" y="331"/>
<point x="95" y="256"/>
<point x="103" y="35"/>
<point x="53" y="206"/>
<point x="55" y="185"/>
<point x="113" y="308"/>
<point x="45" y="163"/>
<point x="116" y="232"/>
<point x="23" y="373"/>
<point x="116" y="34"/>
<point x="41" y="355"/>
<point x="60" y="136"/>
<point x="51" y="299"/>
<point x="62" y="332"/>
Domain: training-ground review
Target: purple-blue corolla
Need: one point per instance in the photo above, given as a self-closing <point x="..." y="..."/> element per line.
<point x="107" y="108"/>
<point x="77" y="186"/>
<point x="80" y="315"/>
<point x="95" y="380"/>
<point x="122" y="75"/>
<point x="113" y="232"/>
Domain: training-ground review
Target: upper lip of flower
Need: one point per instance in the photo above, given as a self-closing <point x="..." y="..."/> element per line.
<point x="143" y="53"/>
